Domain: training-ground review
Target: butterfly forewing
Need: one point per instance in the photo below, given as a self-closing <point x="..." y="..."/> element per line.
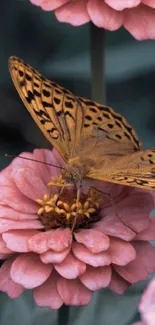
<point x="53" y="108"/>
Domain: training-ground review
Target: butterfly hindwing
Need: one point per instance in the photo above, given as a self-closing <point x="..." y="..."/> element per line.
<point x="136" y="170"/>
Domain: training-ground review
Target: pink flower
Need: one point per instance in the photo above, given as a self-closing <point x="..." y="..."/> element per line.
<point x="137" y="16"/>
<point x="60" y="266"/>
<point x="147" y="305"/>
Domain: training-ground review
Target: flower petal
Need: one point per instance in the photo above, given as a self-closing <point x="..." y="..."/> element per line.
<point x="71" y="267"/>
<point x="73" y="292"/>
<point x="118" y="284"/>
<point x="136" y="217"/>
<point x="147" y="234"/>
<point x="150" y="3"/>
<point x="29" y="271"/>
<point x="38" y="243"/>
<point x="93" y="239"/>
<point x="104" y="16"/>
<point x="83" y="254"/>
<point x="143" y="264"/>
<point x="57" y="240"/>
<point x="121" y="5"/>
<point x="73" y="12"/>
<point x="8" y="213"/>
<point x="6" y="225"/>
<point x="54" y="257"/>
<point x="3" y="248"/>
<point x="146" y="306"/>
<point x="6" y="283"/>
<point x="47" y="295"/>
<point x="121" y="252"/>
<point x="26" y="180"/>
<point x="13" y="198"/>
<point x="52" y="5"/>
<point x="112" y="226"/>
<point x="60" y="239"/>
<point x="140" y="22"/>
<point x="96" y="278"/>
<point x="18" y="240"/>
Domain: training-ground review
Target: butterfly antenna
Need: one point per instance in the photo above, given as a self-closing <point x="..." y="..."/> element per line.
<point x="35" y="160"/>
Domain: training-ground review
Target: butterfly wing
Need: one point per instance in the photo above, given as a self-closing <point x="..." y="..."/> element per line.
<point x="136" y="169"/>
<point x="105" y="132"/>
<point x="75" y="126"/>
<point x="54" y="109"/>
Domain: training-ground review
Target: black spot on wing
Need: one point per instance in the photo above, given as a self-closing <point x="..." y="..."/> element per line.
<point x="30" y="96"/>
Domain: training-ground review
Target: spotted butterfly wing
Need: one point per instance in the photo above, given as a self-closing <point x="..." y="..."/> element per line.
<point x="78" y="127"/>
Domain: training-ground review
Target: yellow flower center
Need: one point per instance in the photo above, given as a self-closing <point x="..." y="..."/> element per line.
<point x="63" y="210"/>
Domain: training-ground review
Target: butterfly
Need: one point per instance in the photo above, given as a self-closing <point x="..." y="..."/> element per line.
<point x="94" y="141"/>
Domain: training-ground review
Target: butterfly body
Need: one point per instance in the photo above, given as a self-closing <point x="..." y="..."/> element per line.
<point x="76" y="171"/>
<point x="94" y="141"/>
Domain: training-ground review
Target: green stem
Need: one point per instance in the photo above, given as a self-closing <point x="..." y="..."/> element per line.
<point x="97" y="57"/>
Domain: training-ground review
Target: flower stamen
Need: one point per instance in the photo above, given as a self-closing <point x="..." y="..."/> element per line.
<point x="62" y="210"/>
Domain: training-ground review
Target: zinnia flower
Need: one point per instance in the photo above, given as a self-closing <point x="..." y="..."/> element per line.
<point x="64" y="251"/>
<point x="137" y="16"/>
<point x="147" y="305"/>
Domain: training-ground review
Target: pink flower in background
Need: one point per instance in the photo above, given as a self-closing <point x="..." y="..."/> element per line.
<point x="59" y="265"/>
<point x="147" y="305"/>
<point x="137" y="16"/>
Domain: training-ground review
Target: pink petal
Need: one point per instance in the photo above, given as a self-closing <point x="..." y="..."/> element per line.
<point x="150" y="3"/>
<point x="39" y="242"/>
<point x="6" y="284"/>
<point x="112" y="226"/>
<point x="29" y="271"/>
<point x="73" y="12"/>
<point x="120" y="5"/>
<point x="3" y="248"/>
<point x="60" y="239"/>
<point x="140" y="22"/>
<point x="36" y="2"/>
<point x="52" y="5"/>
<point x="143" y="265"/>
<point x="8" y="213"/>
<point x="93" y="239"/>
<point x="96" y="278"/>
<point x="54" y="257"/>
<point x="18" y="240"/>
<point x="118" y="284"/>
<point x="147" y="234"/>
<point x="13" y="198"/>
<point x="137" y="217"/>
<point x="57" y="240"/>
<point x="47" y="295"/>
<point x="83" y="254"/>
<point x="147" y="304"/>
<point x="54" y="158"/>
<point x="146" y="252"/>
<point x="6" y="225"/>
<point x="121" y="252"/>
<point x="73" y="292"/>
<point x="104" y="16"/>
<point x="29" y="183"/>
<point x="71" y="267"/>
